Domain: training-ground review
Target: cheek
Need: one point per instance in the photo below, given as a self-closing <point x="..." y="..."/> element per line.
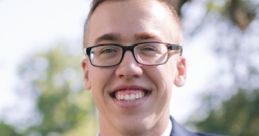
<point x="171" y="70"/>
<point x="164" y="77"/>
<point x="99" y="78"/>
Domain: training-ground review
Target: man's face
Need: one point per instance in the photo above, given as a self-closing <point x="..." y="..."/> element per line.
<point x="148" y="87"/>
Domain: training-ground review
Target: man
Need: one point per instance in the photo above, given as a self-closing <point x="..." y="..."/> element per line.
<point x="133" y="65"/>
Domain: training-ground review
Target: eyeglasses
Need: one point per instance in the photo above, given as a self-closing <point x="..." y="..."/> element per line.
<point x="145" y="53"/>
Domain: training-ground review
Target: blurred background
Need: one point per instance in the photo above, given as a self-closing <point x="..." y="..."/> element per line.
<point x="41" y="90"/>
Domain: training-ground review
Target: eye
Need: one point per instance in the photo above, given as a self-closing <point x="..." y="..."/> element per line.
<point x="106" y="51"/>
<point x="148" y="49"/>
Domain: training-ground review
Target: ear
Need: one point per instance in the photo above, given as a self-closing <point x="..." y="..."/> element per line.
<point x="85" y="67"/>
<point x="181" y="72"/>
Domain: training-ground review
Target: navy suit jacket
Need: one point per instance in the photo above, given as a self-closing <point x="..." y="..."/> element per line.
<point x="178" y="130"/>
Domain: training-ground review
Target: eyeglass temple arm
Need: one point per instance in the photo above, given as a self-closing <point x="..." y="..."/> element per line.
<point x="176" y="47"/>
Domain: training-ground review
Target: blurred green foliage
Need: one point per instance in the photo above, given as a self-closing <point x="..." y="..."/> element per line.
<point x="239" y="12"/>
<point x="237" y="116"/>
<point x="7" y="130"/>
<point x="64" y="108"/>
<point x="231" y="109"/>
<point x="62" y="103"/>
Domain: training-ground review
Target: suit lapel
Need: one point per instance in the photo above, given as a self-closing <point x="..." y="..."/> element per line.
<point x="178" y="130"/>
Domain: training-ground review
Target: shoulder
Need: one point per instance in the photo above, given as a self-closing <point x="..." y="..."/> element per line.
<point x="178" y="130"/>
<point x="205" y="134"/>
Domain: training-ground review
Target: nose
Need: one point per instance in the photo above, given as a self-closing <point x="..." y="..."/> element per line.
<point x="128" y="68"/>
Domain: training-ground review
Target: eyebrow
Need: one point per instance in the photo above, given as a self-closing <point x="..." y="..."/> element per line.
<point x="146" y="36"/>
<point x="115" y="37"/>
<point x="108" y="37"/>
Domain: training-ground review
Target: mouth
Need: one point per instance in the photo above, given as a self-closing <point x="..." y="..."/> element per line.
<point x="130" y="94"/>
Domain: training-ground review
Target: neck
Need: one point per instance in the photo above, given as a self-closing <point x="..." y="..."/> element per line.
<point x="146" y="127"/>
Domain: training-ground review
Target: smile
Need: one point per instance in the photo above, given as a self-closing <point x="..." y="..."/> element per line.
<point x="130" y="94"/>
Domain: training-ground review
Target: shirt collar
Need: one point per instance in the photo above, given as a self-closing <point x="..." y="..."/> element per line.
<point x="168" y="129"/>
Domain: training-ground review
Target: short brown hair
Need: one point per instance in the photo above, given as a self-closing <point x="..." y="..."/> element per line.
<point x="96" y="3"/>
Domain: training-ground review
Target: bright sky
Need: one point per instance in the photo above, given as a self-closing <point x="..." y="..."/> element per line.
<point x="34" y="25"/>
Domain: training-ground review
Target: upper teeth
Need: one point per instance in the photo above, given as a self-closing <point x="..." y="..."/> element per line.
<point x="129" y="96"/>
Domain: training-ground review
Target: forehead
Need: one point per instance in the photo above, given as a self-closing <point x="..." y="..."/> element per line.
<point x="130" y="18"/>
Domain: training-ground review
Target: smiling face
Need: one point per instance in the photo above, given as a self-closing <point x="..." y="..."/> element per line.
<point x="133" y="99"/>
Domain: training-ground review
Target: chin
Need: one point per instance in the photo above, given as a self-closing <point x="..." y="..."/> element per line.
<point x="134" y="124"/>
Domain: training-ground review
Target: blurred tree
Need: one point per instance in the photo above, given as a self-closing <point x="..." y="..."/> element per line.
<point x="178" y="4"/>
<point x="233" y="24"/>
<point x="238" y="116"/>
<point x="7" y="130"/>
<point x="54" y="77"/>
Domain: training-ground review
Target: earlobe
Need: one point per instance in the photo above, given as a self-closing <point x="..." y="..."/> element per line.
<point x="179" y="81"/>
<point x="181" y="72"/>
<point x="85" y="68"/>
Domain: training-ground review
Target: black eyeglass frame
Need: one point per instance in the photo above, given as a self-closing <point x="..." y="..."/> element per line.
<point x="131" y="49"/>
